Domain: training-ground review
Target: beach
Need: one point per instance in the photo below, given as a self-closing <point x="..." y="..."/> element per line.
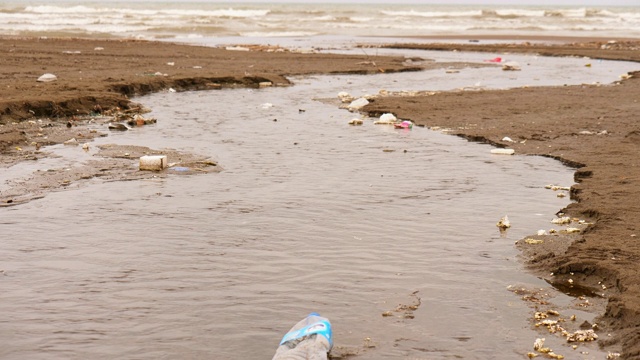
<point x="591" y="128"/>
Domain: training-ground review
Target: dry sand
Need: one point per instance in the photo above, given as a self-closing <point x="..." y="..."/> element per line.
<point x="592" y="128"/>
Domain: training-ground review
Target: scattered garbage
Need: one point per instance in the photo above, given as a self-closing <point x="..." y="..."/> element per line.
<point x="153" y="162"/>
<point x="266" y="106"/>
<point x="582" y="336"/>
<point x="507" y="139"/>
<point x="504" y="223"/>
<point x="345" y="97"/>
<point x="311" y="338"/>
<point x="85" y="146"/>
<point x="180" y="168"/>
<point x="355" y="122"/>
<point x="47" y="78"/>
<point x="561" y="220"/>
<point x="494" y="60"/>
<point x="503" y="151"/>
<point x="264" y="84"/>
<point x="357" y="104"/>
<point x="171" y="63"/>
<point x="511" y="66"/>
<point x="386" y="119"/>
<point x="98" y="48"/>
<point x="138" y="120"/>
<point x="404" y="125"/>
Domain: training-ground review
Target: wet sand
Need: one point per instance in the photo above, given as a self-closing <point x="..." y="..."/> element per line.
<point x="592" y="128"/>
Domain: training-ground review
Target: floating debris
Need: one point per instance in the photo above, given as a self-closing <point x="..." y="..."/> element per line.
<point x="504" y="223"/>
<point x="355" y="122"/>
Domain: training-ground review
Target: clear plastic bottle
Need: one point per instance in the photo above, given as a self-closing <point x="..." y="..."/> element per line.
<point x="309" y="339"/>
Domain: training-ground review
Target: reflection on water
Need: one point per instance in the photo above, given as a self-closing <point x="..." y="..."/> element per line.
<point x="309" y="214"/>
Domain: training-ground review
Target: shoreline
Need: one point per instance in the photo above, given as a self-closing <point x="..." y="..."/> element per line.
<point x="592" y="128"/>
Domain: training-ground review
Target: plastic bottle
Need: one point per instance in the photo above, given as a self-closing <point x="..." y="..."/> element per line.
<point x="309" y="339"/>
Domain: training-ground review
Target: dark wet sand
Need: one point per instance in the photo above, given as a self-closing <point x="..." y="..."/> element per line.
<point x="593" y="128"/>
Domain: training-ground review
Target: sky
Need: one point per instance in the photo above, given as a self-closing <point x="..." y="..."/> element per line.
<point x="635" y="3"/>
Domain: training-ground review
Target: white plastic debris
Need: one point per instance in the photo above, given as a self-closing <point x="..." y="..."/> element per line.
<point x="503" y="151"/>
<point x="388" y="117"/>
<point x="264" y="84"/>
<point x="357" y="104"/>
<point x="47" y="78"/>
<point x="153" y="162"/>
<point x="266" y="106"/>
<point x="98" y="48"/>
<point x="345" y="97"/>
<point x="507" y="139"/>
<point x="355" y="122"/>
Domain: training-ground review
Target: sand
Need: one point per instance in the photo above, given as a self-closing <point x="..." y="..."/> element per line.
<point x="592" y="128"/>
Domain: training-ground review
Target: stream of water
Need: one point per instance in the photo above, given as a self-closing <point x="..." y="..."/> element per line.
<point x="309" y="214"/>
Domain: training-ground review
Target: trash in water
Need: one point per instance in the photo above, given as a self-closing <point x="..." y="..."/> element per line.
<point x="494" y="60"/>
<point x="503" y="151"/>
<point x="153" y="162"/>
<point x="138" y="120"/>
<point x="47" y="78"/>
<point x="386" y="119"/>
<point x="355" y="122"/>
<point x="310" y="338"/>
<point x="404" y="125"/>
<point x="504" y="223"/>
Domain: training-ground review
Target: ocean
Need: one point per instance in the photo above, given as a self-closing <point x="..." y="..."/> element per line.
<point x="146" y="19"/>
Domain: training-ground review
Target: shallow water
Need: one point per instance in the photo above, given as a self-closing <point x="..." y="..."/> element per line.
<point x="309" y="214"/>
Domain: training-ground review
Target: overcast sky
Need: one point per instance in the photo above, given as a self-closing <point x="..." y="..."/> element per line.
<point x="635" y="3"/>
